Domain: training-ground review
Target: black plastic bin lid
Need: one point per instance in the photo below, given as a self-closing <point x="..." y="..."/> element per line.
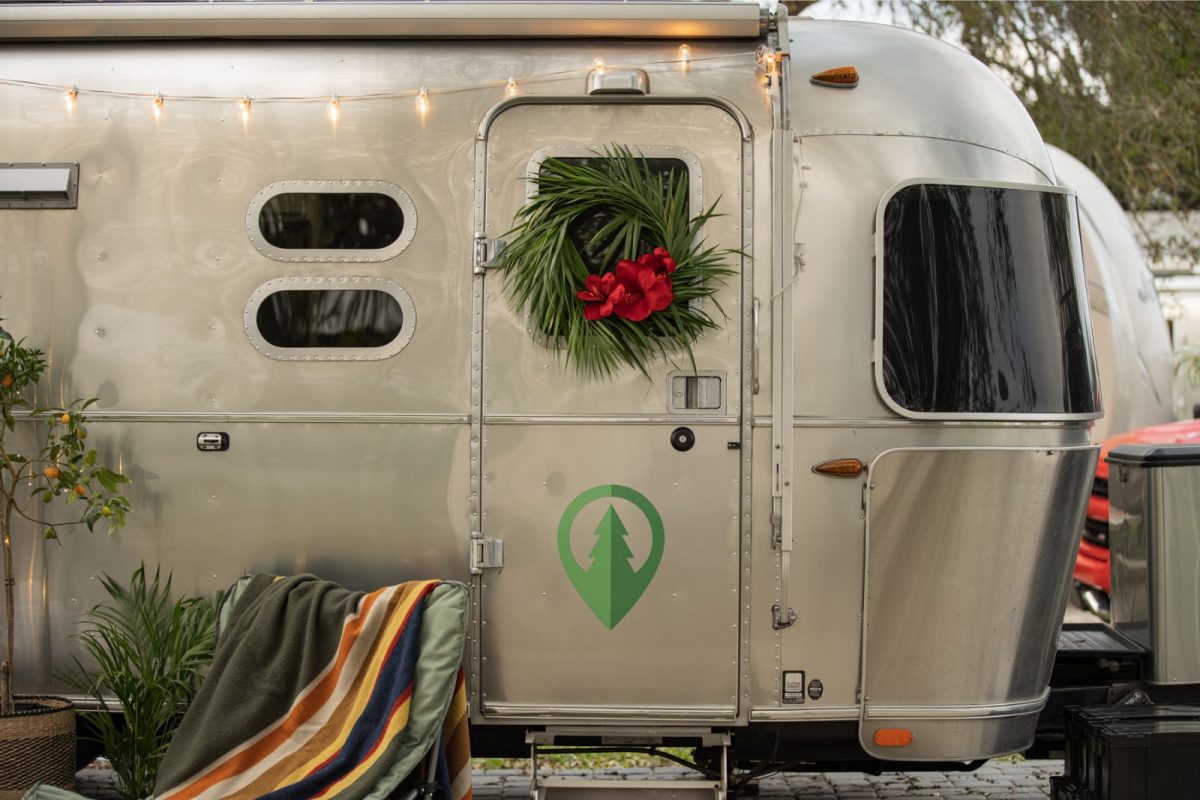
<point x="1155" y="455"/>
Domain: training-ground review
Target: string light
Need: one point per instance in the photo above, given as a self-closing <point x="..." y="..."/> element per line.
<point x="766" y="60"/>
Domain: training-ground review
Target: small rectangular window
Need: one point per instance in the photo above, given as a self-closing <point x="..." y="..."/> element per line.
<point x="984" y="311"/>
<point x="39" y="185"/>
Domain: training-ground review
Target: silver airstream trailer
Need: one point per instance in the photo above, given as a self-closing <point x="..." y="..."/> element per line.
<point x="1133" y="345"/>
<point x="849" y="522"/>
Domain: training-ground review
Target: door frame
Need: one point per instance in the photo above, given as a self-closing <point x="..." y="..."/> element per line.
<point x="744" y="405"/>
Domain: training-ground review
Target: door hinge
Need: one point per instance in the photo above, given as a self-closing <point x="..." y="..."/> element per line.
<point x="488" y="253"/>
<point x="486" y="554"/>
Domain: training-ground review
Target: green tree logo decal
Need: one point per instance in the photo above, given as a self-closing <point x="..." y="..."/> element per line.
<point x="610" y="586"/>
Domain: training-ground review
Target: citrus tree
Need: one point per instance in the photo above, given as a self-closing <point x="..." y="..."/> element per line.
<point x="63" y="470"/>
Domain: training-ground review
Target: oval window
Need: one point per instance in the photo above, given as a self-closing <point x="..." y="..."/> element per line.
<point x="330" y="319"/>
<point x="340" y="221"/>
<point x="331" y="221"/>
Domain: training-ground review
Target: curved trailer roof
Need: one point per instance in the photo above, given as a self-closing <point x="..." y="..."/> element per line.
<point x="430" y="19"/>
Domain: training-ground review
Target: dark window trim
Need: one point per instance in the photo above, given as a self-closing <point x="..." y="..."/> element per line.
<point x="877" y="330"/>
<point x="318" y="283"/>
<point x="350" y="186"/>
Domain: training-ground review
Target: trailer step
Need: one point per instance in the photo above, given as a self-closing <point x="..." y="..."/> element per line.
<point x="1090" y="640"/>
<point x="581" y="789"/>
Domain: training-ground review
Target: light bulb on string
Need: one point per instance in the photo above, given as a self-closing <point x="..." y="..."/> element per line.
<point x="334" y="109"/>
<point x="510" y="89"/>
<point x="158" y="107"/>
<point x="423" y="101"/>
<point x="244" y="105"/>
<point x="69" y="98"/>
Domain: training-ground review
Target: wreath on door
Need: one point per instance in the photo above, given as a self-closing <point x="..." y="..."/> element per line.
<point x="649" y="265"/>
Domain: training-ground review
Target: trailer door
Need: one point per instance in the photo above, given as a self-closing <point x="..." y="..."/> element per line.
<point x="616" y="502"/>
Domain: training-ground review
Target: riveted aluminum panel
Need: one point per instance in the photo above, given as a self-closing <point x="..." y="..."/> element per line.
<point x="968" y="555"/>
<point x="365" y="503"/>
<point x="674" y="654"/>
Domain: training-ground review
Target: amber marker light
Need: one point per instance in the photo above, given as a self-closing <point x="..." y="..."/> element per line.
<point x="511" y="89"/>
<point x="840" y="468"/>
<point x="244" y="106"/>
<point x="423" y="101"/>
<point x="837" y="77"/>
<point x="158" y="107"/>
<point x="69" y="98"/>
<point x="893" y="737"/>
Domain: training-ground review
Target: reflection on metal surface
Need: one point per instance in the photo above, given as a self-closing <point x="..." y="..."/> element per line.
<point x="969" y="547"/>
<point x="1155" y="539"/>
<point x="785" y="714"/>
<point x="330" y="319"/>
<point x="566" y="713"/>
<point x="982" y="304"/>
<point x="1018" y="708"/>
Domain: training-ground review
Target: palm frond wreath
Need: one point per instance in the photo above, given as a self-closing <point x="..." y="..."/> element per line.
<point x="650" y="263"/>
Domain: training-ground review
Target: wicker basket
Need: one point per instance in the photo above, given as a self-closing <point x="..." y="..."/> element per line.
<point x="37" y="745"/>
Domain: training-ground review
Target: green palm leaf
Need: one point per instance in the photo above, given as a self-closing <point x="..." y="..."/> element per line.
<point x="544" y="269"/>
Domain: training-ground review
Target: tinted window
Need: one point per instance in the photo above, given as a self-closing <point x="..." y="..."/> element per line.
<point x="330" y="318"/>
<point x="331" y="221"/>
<point x="590" y="222"/>
<point x="983" y="304"/>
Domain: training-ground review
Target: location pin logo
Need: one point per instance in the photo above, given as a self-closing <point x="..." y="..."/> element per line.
<point x="610" y="586"/>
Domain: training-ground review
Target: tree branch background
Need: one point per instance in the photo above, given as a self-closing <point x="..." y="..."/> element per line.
<point x="1115" y="84"/>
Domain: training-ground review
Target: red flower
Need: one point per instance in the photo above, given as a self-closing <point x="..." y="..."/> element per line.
<point x="600" y="296"/>
<point x="646" y="289"/>
<point x="634" y="291"/>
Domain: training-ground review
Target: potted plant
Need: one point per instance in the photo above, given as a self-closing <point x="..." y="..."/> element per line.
<point x="56" y="468"/>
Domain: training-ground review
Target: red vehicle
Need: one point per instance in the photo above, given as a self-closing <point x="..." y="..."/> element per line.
<point x="1092" y="579"/>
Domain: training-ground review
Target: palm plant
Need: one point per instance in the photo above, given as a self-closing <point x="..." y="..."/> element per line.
<point x="62" y="469"/>
<point x="149" y="651"/>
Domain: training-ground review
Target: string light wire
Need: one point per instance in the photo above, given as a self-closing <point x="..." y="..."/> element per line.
<point x="72" y="93"/>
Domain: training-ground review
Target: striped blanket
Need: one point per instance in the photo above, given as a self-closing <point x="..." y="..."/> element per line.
<point x="320" y="692"/>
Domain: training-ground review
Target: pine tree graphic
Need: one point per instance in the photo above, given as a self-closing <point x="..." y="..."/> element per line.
<point x="613" y="585"/>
